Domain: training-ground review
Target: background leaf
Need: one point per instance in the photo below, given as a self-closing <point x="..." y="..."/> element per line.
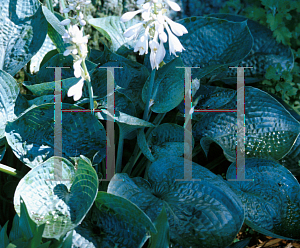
<point x="266" y="51"/>
<point x="211" y="44"/>
<point x="23" y="31"/>
<point x="112" y="28"/>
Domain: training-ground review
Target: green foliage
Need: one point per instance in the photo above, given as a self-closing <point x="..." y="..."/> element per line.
<point x="282" y="17"/>
<point x="171" y="210"/>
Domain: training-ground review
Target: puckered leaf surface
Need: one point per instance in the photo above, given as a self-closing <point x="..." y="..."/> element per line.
<point x="31" y="136"/>
<point x="23" y="29"/>
<point x="57" y="194"/>
<point x="271" y="130"/>
<point x="202" y="213"/>
<point x="271" y="201"/>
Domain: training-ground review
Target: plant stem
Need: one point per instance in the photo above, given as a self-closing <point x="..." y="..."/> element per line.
<point x="11" y="171"/>
<point x="137" y="152"/>
<point x="50" y="5"/>
<point x="90" y="88"/>
<point x="120" y="150"/>
<point x="150" y="88"/>
<point x="63" y="6"/>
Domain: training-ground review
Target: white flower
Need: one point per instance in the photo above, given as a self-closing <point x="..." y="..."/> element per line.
<point x="129" y="15"/>
<point x="77" y="68"/>
<point x="80" y="19"/>
<point x="76" y="90"/>
<point x="134" y="30"/>
<point x="174" y="6"/>
<point x="155" y="21"/>
<point x="142" y="44"/>
<point x="177" y="28"/>
<point x="174" y="43"/>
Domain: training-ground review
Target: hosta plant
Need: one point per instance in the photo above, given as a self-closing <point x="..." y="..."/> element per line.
<point x="107" y="141"/>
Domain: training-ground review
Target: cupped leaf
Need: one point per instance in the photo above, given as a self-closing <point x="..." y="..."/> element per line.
<point x="270" y="129"/>
<point x="31" y="136"/>
<point x="204" y="213"/>
<point x="58" y="195"/>
<point x="11" y="102"/>
<point x="167" y="140"/>
<point x="266" y="51"/>
<point x="112" y="28"/>
<point x="212" y="44"/>
<point x="123" y="223"/>
<point x="168" y="88"/>
<point x="37" y="59"/>
<point x="272" y="200"/>
<point x="23" y="31"/>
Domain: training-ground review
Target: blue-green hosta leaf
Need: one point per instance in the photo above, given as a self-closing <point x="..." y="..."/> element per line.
<point x="23" y="31"/>
<point x="41" y="100"/>
<point x="112" y="28"/>
<point x="270" y="129"/>
<point x="131" y="77"/>
<point x="292" y="160"/>
<point x="3" y="236"/>
<point x="59" y="60"/>
<point x="37" y="59"/>
<point x="11" y="102"/>
<point x="31" y="136"/>
<point x="168" y="87"/>
<point x="45" y="89"/>
<point x="266" y="51"/>
<point x="55" y="30"/>
<point x="162" y="238"/>
<point x="78" y="240"/>
<point x="122" y="222"/>
<point x="62" y="203"/>
<point x="202" y="213"/>
<point x="209" y="97"/>
<point x="212" y="44"/>
<point x="272" y="200"/>
<point x="167" y="140"/>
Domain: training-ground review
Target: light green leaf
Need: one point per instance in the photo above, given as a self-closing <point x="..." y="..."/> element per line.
<point x="37" y="59"/>
<point x="112" y="28"/>
<point x="11" y="102"/>
<point x="23" y="31"/>
<point x="62" y="203"/>
<point x="55" y="30"/>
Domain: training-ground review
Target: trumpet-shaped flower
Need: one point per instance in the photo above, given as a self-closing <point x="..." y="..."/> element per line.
<point x="155" y="21"/>
<point x="76" y="90"/>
